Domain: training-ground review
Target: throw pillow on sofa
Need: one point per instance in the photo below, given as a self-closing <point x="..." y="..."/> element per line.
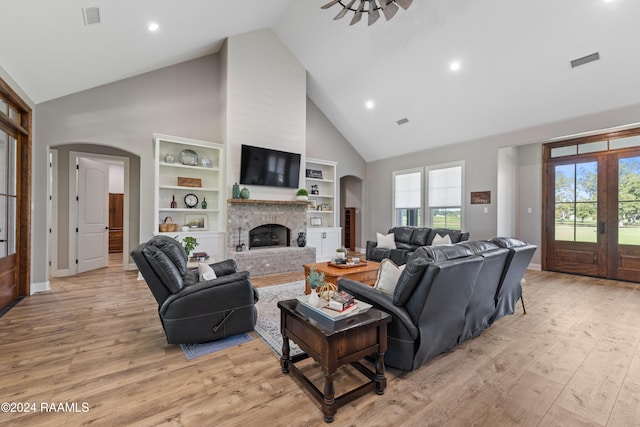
<point x="441" y="240"/>
<point x="386" y="241"/>
<point x="388" y="276"/>
<point x="206" y="272"/>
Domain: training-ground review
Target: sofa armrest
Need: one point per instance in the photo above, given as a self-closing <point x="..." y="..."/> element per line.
<point x="371" y="245"/>
<point x="379" y="300"/>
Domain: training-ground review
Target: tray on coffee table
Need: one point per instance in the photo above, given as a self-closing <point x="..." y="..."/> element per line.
<point x="347" y="265"/>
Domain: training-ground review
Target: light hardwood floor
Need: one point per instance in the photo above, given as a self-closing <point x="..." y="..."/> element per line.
<point x="572" y="360"/>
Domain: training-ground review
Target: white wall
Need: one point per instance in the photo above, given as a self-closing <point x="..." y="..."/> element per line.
<point x="265" y="103"/>
<point x="506" y="195"/>
<point x="116" y="179"/>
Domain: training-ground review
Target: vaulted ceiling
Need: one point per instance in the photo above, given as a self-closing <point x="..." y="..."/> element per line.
<point x="514" y="59"/>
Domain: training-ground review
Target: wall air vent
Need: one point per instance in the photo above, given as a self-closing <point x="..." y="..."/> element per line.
<point x="91" y="15"/>
<point x="402" y="121"/>
<point x="585" y="60"/>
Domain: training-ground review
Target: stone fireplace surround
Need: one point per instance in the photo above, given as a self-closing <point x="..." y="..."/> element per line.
<point x="246" y="214"/>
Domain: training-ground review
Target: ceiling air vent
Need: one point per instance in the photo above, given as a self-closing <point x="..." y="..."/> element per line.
<point x="402" y="121"/>
<point x="91" y="15"/>
<point x="585" y="60"/>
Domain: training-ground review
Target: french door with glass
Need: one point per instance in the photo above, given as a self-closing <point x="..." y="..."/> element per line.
<point x="592" y="206"/>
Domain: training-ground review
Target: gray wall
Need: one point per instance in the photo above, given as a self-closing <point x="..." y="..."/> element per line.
<point x="179" y="100"/>
<point x="481" y="174"/>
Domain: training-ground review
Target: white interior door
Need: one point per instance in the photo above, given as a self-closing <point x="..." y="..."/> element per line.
<point x="93" y="215"/>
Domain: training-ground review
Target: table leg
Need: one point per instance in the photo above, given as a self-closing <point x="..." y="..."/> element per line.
<point x="328" y="405"/>
<point x="380" y="379"/>
<point x="285" y="359"/>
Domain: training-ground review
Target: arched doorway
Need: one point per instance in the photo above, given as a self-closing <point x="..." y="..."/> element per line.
<point x="64" y="259"/>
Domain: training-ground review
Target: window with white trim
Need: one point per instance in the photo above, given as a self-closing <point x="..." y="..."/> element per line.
<point x="444" y="195"/>
<point x="407" y="198"/>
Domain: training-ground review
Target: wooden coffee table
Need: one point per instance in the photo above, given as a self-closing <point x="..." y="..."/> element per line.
<point x="348" y="342"/>
<point x="366" y="273"/>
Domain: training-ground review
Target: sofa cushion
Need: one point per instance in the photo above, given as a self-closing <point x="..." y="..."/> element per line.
<point x="386" y="241"/>
<point x="420" y="236"/>
<point x="409" y="279"/>
<point x="403" y="234"/>
<point x="508" y="242"/>
<point x="388" y="276"/>
<point x="480" y="246"/>
<point x="447" y="252"/>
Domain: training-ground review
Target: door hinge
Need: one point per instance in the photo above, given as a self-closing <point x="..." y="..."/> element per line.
<point x="77" y="198"/>
<point x="49" y="230"/>
<point x="76" y="261"/>
<point x="77" y="229"/>
<point x="78" y="167"/>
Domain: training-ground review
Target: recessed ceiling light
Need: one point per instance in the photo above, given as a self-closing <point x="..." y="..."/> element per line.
<point x="370" y="104"/>
<point x="153" y="26"/>
<point x="454" y="66"/>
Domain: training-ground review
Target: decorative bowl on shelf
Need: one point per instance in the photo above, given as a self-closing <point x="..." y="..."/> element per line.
<point x="189" y="157"/>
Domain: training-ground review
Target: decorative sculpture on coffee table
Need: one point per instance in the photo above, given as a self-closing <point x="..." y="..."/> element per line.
<point x="314" y="279"/>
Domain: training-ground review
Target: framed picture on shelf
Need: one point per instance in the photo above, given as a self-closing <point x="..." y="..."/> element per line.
<point x="196" y="222"/>
<point x="312" y="205"/>
<point x="325" y="206"/>
<point x="315" y="221"/>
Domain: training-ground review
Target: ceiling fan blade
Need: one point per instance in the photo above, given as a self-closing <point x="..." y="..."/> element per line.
<point x="404" y="3"/>
<point x="328" y="5"/>
<point x="358" y="15"/>
<point x="373" y="12"/>
<point x="389" y="9"/>
<point x="344" y="10"/>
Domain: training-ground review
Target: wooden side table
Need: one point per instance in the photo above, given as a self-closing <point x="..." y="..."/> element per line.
<point x="347" y="342"/>
<point x="367" y="273"/>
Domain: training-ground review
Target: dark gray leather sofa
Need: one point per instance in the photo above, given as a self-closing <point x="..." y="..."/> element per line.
<point x="193" y="311"/>
<point x="446" y="295"/>
<point x="408" y="239"/>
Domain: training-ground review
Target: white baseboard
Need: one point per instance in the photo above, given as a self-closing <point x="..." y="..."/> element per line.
<point x="40" y="287"/>
<point x="536" y="267"/>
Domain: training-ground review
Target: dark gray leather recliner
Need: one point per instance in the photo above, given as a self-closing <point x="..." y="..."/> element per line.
<point x="429" y="304"/>
<point x="192" y="311"/>
<point x="446" y="295"/>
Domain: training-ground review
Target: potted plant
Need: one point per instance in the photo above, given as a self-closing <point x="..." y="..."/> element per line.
<point x="314" y="279"/>
<point x="189" y="243"/>
<point x="302" y="194"/>
<point x="341" y="254"/>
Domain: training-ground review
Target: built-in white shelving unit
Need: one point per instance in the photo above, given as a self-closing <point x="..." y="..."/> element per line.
<point x="205" y="224"/>
<point x="322" y="215"/>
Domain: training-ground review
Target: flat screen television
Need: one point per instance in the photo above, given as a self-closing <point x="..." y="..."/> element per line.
<point x="273" y="168"/>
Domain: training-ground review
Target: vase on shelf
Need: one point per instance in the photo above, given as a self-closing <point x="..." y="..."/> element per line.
<point x="244" y="193"/>
<point x="168" y="158"/>
<point x="173" y="202"/>
<point x="204" y="203"/>
<point x="235" y="192"/>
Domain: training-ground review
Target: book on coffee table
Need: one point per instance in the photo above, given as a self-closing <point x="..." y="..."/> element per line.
<point x="326" y="315"/>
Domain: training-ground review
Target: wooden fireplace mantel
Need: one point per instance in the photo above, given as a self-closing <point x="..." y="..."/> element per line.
<point x="268" y="202"/>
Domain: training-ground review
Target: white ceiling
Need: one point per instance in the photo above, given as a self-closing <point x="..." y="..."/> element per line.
<point x="514" y="56"/>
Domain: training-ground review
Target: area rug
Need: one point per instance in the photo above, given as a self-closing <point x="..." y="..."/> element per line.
<point x="268" y="326"/>
<point x="196" y="350"/>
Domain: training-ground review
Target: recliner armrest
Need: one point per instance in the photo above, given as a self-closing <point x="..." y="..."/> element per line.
<point x="223" y="268"/>
<point x="223" y="292"/>
<point x="379" y="300"/>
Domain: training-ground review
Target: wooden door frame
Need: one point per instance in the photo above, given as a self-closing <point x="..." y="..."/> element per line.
<point x="23" y="133"/>
<point x="605" y="212"/>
